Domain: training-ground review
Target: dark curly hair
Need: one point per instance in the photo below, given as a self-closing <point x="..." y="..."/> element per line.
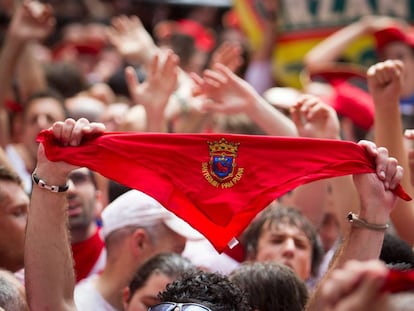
<point x="213" y="290"/>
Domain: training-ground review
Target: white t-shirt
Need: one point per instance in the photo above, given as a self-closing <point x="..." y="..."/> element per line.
<point x="19" y="166"/>
<point x="87" y="297"/>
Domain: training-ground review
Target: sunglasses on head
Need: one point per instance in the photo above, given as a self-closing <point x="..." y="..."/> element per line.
<point x="171" y="306"/>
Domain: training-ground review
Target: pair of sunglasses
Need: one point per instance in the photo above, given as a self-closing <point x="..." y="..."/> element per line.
<point x="171" y="306"/>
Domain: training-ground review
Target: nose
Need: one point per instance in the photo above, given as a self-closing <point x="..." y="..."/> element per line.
<point x="288" y="247"/>
<point x="42" y="121"/>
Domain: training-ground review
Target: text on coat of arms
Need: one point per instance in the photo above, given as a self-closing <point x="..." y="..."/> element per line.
<point x="221" y="171"/>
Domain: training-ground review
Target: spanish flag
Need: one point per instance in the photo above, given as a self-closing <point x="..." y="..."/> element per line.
<point x="215" y="182"/>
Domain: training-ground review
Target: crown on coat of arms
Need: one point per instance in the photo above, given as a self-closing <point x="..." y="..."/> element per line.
<point x="223" y="146"/>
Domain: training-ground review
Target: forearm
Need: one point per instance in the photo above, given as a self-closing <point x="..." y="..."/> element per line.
<point x="12" y="48"/>
<point x="391" y="137"/>
<point x="156" y="121"/>
<point x="331" y="48"/>
<point x="360" y="244"/>
<point x="271" y="120"/>
<point x="30" y="73"/>
<point x="48" y="260"/>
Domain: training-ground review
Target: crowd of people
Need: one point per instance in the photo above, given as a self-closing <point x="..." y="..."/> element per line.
<point x="73" y="238"/>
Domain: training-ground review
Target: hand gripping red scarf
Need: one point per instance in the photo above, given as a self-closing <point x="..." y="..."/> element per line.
<point x="215" y="182"/>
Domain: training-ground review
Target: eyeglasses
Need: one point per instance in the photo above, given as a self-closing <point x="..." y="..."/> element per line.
<point x="171" y="306"/>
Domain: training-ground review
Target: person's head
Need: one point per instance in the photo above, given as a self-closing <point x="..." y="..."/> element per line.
<point x="14" y="203"/>
<point x="12" y="293"/>
<point x="282" y="234"/>
<point x="85" y="106"/>
<point x="212" y="291"/>
<point x="270" y="286"/>
<point x="397" y="43"/>
<point x="42" y="109"/>
<point x="84" y="203"/>
<point x="236" y="124"/>
<point x="146" y="224"/>
<point x="65" y="77"/>
<point x="152" y="278"/>
<point x="396" y="253"/>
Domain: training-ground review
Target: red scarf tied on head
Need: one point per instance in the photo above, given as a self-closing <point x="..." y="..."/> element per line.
<point x="215" y="182"/>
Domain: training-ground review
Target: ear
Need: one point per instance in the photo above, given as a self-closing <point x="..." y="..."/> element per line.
<point x="139" y="241"/>
<point x="125" y="297"/>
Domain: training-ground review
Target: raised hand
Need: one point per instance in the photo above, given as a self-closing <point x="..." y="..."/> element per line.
<point x="32" y="20"/>
<point x="385" y="81"/>
<point x="314" y="118"/>
<point x="223" y="91"/>
<point x="375" y="189"/>
<point x="68" y="133"/>
<point x="155" y="91"/>
<point x="131" y="39"/>
<point x="229" y="55"/>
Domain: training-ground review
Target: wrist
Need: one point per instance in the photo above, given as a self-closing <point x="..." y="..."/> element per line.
<point x="47" y="186"/>
<point x="358" y="221"/>
<point x="374" y="217"/>
<point x="51" y="175"/>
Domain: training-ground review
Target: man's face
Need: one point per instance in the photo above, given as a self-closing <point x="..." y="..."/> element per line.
<point x="40" y="115"/>
<point x="147" y="295"/>
<point x="288" y="245"/>
<point x="14" y="203"/>
<point x="82" y="199"/>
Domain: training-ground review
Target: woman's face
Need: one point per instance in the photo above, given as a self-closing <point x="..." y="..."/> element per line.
<point x="146" y="296"/>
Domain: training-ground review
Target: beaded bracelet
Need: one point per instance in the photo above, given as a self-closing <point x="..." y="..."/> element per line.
<point x="42" y="184"/>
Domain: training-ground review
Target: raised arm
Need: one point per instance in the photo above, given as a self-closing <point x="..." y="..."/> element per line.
<point x="314" y="118"/>
<point x="364" y="242"/>
<point x="49" y="275"/>
<point x="224" y="92"/>
<point x="385" y="81"/>
<point x="31" y="21"/>
<point x="329" y="50"/>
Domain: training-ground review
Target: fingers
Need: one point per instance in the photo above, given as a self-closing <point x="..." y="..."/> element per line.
<point x="228" y="54"/>
<point x="369" y="146"/>
<point x="387" y="168"/>
<point x="381" y="163"/>
<point x="312" y="106"/>
<point x="71" y="132"/>
<point x="384" y="72"/>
